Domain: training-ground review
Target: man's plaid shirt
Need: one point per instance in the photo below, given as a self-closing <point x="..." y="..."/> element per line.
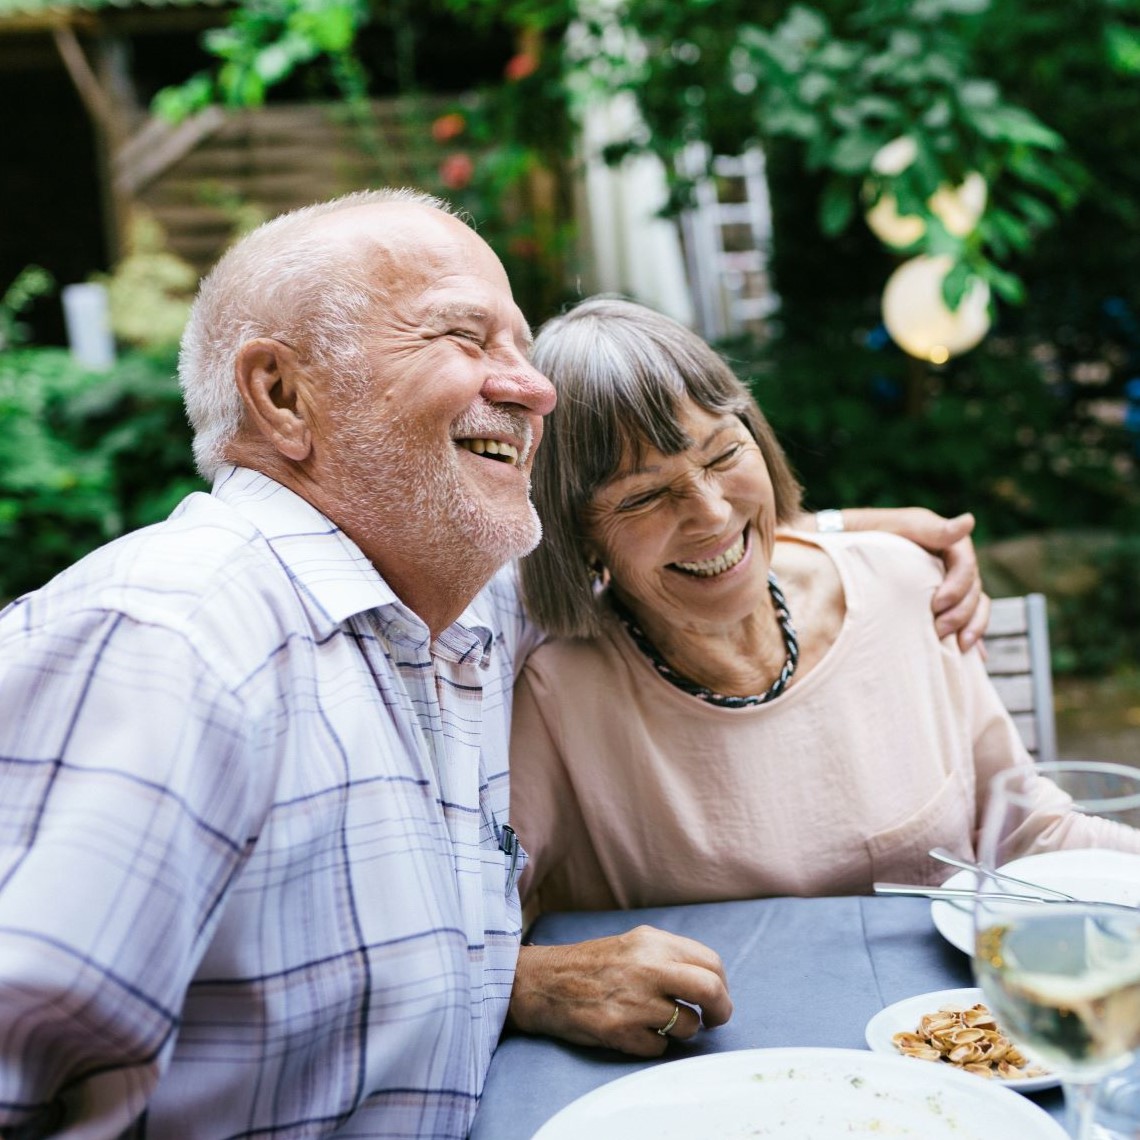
<point x="250" y="875"/>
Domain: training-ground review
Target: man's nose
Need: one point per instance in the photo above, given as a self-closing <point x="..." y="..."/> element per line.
<point x="514" y="380"/>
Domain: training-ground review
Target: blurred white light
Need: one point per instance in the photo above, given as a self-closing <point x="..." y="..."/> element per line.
<point x="959" y="208"/>
<point x="919" y="320"/>
<point x="892" y="228"/>
<point x="895" y="157"/>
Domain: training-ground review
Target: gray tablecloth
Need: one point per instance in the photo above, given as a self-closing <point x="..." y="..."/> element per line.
<point x="800" y="971"/>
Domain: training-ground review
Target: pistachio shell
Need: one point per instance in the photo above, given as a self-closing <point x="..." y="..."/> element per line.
<point x="968" y="1039"/>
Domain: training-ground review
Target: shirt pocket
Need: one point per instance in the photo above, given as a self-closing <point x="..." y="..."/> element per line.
<point x="900" y="853"/>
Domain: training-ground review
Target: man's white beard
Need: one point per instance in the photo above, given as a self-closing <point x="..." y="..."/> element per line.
<point x="402" y="492"/>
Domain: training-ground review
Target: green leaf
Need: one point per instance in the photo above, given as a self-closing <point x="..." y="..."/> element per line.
<point x="964" y="7"/>
<point x="240" y="86"/>
<point x="178" y="103"/>
<point x="978" y="93"/>
<point x="955" y="284"/>
<point x="1122" y="46"/>
<point x="836" y="206"/>
<point x="1016" y="125"/>
<point x="1007" y="286"/>
<point x="1028" y="166"/>
<point x="331" y="29"/>
<point x="817" y="153"/>
<point x="877" y="107"/>
<point x="790" y="122"/>
<point x="908" y="199"/>
<point x="845" y="117"/>
<point x="1033" y="210"/>
<point x="1015" y="232"/>
<point x="905" y="45"/>
<point x="814" y="86"/>
<point x="853" y="152"/>
<point x="937" y="68"/>
<point x="225" y="43"/>
<point x="837" y="56"/>
<point x="926" y="171"/>
<point x="939" y="241"/>
<point x="273" y="63"/>
<point x="804" y="25"/>
<point x="994" y="238"/>
<point x="937" y="115"/>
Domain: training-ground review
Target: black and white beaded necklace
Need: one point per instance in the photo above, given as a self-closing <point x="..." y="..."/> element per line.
<point x="791" y="645"/>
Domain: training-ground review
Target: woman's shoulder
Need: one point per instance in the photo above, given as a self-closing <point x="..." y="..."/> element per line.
<point x="863" y="559"/>
<point x="565" y="656"/>
<point x="887" y="556"/>
<point x="883" y="577"/>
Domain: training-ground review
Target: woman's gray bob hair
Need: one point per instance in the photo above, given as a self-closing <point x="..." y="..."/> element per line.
<point x="621" y="371"/>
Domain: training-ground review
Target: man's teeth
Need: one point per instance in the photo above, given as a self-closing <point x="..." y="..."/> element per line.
<point x="505" y="452"/>
<point x="718" y="565"/>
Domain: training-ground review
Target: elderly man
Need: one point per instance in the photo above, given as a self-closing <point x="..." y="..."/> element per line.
<point x="257" y="873"/>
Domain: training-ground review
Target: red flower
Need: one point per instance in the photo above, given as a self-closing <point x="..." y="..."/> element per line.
<point x="520" y="66"/>
<point x="525" y="247"/>
<point x="448" y="127"/>
<point x="456" y="170"/>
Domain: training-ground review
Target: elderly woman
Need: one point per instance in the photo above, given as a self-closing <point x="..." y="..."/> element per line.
<point x="730" y="709"/>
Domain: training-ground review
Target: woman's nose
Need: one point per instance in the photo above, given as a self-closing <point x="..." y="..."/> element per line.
<point x="706" y="505"/>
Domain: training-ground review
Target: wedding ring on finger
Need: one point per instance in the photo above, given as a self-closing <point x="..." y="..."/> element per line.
<point x="664" y="1030"/>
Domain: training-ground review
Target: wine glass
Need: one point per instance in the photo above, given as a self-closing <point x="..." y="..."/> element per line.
<point x="1062" y="977"/>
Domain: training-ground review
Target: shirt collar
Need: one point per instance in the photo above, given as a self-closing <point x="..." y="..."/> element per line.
<point x="333" y="578"/>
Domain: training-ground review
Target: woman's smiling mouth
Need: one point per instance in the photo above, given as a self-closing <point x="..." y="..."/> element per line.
<point x="711" y="567"/>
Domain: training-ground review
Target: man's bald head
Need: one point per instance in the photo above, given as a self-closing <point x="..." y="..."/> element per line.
<point x="309" y="279"/>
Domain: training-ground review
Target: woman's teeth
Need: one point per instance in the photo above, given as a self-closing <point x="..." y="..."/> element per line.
<point x="504" y="452"/>
<point x="718" y="565"/>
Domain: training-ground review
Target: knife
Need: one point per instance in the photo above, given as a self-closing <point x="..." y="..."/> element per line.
<point x="955" y="893"/>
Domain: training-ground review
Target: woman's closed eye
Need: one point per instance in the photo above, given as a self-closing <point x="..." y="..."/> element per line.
<point x="641" y="500"/>
<point x="727" y="457"/>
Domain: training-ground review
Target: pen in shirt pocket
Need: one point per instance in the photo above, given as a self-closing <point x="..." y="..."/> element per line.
<point x="509" y="845"/>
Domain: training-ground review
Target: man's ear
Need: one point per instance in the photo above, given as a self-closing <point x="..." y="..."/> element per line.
<point x="269" y="378"/>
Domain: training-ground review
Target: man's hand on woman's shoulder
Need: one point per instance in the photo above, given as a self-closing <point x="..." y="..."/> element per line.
<point x="960" y="604"/>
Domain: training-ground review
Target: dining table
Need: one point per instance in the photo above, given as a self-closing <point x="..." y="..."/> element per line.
<point x="801" y="972"/>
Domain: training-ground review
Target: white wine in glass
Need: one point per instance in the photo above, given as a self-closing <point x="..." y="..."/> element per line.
<point x="1063" y="978"/>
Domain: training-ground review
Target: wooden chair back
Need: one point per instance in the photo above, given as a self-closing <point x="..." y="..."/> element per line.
<point x="1017" y="643"/>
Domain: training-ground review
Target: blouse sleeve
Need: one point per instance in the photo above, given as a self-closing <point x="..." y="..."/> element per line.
<point x="543" y="807"/>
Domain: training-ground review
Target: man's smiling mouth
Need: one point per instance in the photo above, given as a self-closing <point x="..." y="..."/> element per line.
<point x="711" y="567"/>
<point x="492" y="448"/>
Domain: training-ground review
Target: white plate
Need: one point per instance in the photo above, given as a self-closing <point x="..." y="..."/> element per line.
<point x="1103" y="876"/>
<point x="905" y="1015"/>
<point x="799" y="1094"/>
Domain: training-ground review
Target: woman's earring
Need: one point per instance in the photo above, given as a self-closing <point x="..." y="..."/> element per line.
<point x="597" y="573"/>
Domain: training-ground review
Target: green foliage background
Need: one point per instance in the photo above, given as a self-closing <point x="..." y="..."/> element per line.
<point x="84" y="456"/>
<point x="1041" y="95"/>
